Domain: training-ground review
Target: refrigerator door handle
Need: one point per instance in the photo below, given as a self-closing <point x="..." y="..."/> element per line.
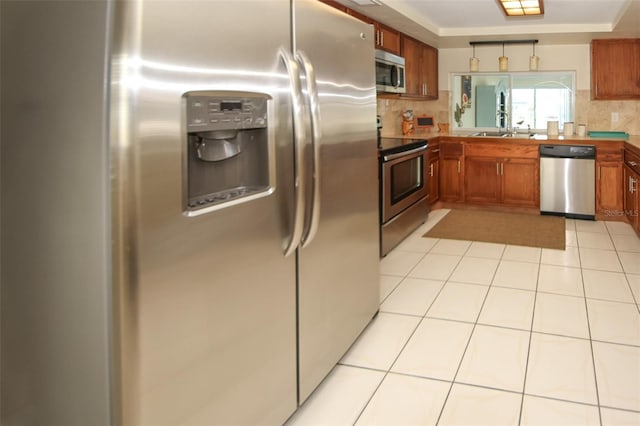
<point x="316" y="135"/>
<point x="298" y="138"/>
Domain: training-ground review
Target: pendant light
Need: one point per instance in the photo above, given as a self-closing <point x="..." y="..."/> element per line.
<point x="474" y="63"/>
<point x="534" y="61"/>
<point x="503" y="62"/>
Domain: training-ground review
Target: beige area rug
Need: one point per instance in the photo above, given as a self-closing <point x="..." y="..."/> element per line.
<point x="503" y="228"/>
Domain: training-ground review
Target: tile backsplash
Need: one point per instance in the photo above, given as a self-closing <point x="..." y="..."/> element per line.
<point x="597" y="115"/>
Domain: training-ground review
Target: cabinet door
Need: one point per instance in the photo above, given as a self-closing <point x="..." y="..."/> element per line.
<point x="412" y="52"/>
<point x="615" y="69"/>
<point x="429" y="67"/>
<point x="421" y="69"/>
<point x="387" y="39"/>
<point x="451" y="179"/>
<point x="520" y="182"/>
<point x="434" y="179"/>
<point x="609" y="196"/>
<point x="631" y="197"/>
<point x="483" y="178"/>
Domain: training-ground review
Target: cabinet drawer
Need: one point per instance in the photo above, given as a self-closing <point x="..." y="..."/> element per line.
<point x="451" y="149"/>
<point x="632" y="161"/>
<point x="481" y="149"/>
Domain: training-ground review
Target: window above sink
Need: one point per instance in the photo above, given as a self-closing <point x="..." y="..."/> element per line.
<point x="500" y="102"/>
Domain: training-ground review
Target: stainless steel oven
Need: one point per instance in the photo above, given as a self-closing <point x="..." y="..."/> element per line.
<point x="403" y="181"/>
<point x="404" y="190"/>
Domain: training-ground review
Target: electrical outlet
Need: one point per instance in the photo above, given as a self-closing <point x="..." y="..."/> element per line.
<point x="614" y="117"/>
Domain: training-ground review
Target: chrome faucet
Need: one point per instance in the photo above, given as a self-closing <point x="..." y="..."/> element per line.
<point x="503" y="114"/>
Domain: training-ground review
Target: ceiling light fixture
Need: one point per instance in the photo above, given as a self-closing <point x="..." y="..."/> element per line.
<point x="503" y="61"/>
<point x="522" y="7"/>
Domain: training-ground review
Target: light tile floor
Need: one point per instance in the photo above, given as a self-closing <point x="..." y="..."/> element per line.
<point x="474" y="333"/>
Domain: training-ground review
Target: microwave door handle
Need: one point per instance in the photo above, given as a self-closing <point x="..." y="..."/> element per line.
<point x="316" y="135"/>
<point x="298" y="141"/>
<point x="395" y="78"/>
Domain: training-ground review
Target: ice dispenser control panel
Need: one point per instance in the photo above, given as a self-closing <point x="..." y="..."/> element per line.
<point x="206" y="113"/>
<point x="229" y="159"/>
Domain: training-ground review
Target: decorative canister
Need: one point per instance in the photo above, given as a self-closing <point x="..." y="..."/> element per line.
<point x="568" y="128"/>
<point x="552" y="128"/>
<point x="582" y="130"/>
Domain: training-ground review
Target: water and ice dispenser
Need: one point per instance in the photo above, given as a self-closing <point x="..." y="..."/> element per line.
<point x="228" y="154"/>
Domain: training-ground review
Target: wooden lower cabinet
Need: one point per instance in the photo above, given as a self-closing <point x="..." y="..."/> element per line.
<point x="452" y="172"/>
<point x="631" y="198"/>
<point x="630" y="187"/>
<point x="520" y="182"/>
<point x="433" y="172"/>
<point x="483" y="180"/>
<point x="609" y="194"/>
<point x="508" y="181"/>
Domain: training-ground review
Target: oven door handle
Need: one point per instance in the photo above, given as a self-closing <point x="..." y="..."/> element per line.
<point x="403" y="153"/>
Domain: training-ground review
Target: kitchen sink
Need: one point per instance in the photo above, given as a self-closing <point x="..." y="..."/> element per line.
<point x="503" y="134"/>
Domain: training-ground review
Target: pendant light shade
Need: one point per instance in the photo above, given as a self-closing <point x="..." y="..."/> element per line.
<point x="534" y="61"/>
<point x="503" y="62"/>
<point x="474" y="63"/>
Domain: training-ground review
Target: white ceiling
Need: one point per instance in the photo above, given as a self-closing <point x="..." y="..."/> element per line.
<point x="453" y="23"/>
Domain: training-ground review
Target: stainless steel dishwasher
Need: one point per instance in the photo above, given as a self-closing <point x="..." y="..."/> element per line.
<point x="567" y="180"/>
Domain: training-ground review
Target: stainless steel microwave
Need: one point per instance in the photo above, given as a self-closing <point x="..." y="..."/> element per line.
<point x="390" y="73"/>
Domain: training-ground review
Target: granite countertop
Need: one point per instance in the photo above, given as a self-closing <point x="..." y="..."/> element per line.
<point x="634" y="140"/>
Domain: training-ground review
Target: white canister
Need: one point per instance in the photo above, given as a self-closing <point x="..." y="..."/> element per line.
<point x="552" y="128"/>
<point x="582" y="130"/>
<point x="568" y="128"/>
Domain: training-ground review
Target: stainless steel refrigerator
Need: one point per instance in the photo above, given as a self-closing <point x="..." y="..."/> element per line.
<point x="189" y="208"/>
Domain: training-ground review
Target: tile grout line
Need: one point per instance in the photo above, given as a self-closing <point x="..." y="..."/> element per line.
<point x="533" y="315"/>
<point x="475" y="324"/>
<point x="388" y="371"/>
<point x="593" y="355"/>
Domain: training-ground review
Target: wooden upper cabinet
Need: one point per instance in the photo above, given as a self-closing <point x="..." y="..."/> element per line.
<point x="387" y="38"/>
<point x="421" y="68"/>
<point x="615" y="69"/>
<point x="430" y="71"/>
